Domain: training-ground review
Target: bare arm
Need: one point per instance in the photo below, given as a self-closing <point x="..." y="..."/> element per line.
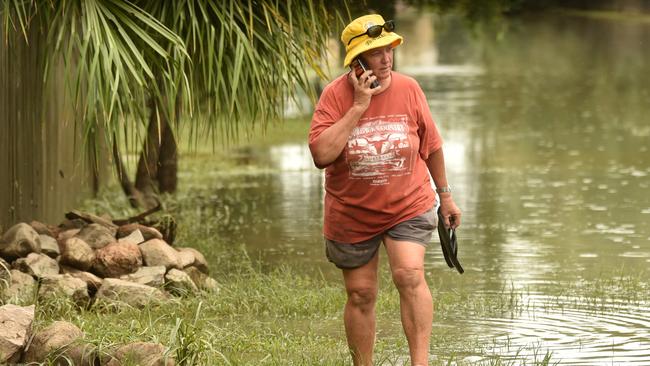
<point x="330" y="143"/>
<point x="450" y="212"/>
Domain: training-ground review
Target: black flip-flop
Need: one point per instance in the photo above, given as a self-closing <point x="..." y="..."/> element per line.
<point x="449" y="244"/>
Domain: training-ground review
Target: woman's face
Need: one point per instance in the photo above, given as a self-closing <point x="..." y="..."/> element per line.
<point x="380" y="60"/>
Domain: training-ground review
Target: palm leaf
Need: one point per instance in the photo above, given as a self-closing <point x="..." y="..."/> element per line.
<point x="224" y="65"/>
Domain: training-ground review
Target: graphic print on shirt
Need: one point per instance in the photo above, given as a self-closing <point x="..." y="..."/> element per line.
<point x="379" y="148"/>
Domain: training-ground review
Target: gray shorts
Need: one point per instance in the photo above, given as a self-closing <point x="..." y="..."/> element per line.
<point x="352" y="255"/>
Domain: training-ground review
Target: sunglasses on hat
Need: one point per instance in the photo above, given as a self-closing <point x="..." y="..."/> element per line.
<point x="375" y="30"/>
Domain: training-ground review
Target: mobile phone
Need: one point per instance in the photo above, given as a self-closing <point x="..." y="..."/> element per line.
<point x="359" y="68"/>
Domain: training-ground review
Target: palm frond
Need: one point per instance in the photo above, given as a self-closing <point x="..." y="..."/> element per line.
<point x="224" y="65"/>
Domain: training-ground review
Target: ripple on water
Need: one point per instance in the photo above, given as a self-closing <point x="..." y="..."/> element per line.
<point x="574" y="332"/>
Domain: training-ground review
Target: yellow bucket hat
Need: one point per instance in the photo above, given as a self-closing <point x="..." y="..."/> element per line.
<point x="356" y="46"/>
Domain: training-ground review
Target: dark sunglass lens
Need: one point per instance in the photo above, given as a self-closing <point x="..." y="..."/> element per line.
<point x="374" y="31"/>
<point x="389" y="26"/>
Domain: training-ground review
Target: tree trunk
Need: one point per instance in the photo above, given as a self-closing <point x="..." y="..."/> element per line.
<point x="158" y="164"/>
<point x="145" y="178"/>
<point x="135" y="197"/>
<point x="168" y="162"/>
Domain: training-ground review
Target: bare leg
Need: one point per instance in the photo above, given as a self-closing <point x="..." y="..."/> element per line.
<point x="416" y="305"/>
<point x="359" y="313"/>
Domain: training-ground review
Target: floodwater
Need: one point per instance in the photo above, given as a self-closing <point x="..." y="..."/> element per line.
<point x="546" y="139"/>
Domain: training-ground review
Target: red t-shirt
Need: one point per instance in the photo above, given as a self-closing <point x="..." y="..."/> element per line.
<point x="380" y="179"/>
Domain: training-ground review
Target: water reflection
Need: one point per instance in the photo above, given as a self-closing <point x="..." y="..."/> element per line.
<point x="547" y="149"/>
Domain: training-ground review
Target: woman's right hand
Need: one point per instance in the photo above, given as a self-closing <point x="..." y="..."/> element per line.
<point x="362" y="90"/>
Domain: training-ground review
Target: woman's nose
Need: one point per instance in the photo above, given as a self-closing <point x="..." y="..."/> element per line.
<point x="386" y="57"/>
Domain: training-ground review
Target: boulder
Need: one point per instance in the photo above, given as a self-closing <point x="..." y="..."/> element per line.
<point x="147" y="232"/>
<point x="65" y="235"/>
<point x="156" y="252"/>
<point x="77" y="253"/>
<point x="133" y="294"/>
<point x="15" y="327"/>
<point x="22" y="287"/>
<point x="199" y="259"/>
<point x="58" y="342"/>
<point x="135" y="237"/>
<point x="117" y="259"/>
<point x="93" y="282"/>
<point x="89" y="218"/>
<point x="142" y="354"/>
<point x="43" y="229"/>
<point x="64" y="285"/>
<point x="72" y="224"/>
<point x="37" y="265"/>
<point x="185" y="258"/>
<point x="4" y="272"/>
<point x="179" y="282"/>
<point x="201" y="280"/>
<point x="96" y="235"/>
<point x="20" y="240"/>
<point x="49" y="246"/>
<point x="150" y="276"/>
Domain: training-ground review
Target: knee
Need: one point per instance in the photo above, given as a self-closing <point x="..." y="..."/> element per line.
<point x="408" y="278"/>
<point x="362" y="297"/>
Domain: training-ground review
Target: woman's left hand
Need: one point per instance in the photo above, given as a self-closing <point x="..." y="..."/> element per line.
<point x="450" y="212"/>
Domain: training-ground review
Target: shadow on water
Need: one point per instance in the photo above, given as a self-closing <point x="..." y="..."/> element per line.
<point x="547" y="149"/>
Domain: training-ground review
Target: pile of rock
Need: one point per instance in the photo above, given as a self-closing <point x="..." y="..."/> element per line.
<point x="92" y="259"/>
<point x="61" y="343"/>
<point x="88" y="259"/>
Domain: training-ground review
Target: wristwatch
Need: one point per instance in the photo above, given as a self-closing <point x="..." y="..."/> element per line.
<point x="446" y="189"/>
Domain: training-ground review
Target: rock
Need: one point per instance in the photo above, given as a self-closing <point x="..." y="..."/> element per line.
<point x="147" y="232"/>
<point x="90" y="218"/>
<point x="22" y="288"/>
<point x="133" y="294"/>
<point x="201" y="280"/>
<point x="43" y="229"/>
<point x="179" y="282"/>
<point x="210" y="285"/>
<point x="150" y="276"/>
<point x="92" y="282"/>
<point x="77" y="253"/>
<point x="117" y="259"/>
<point x="65" y="235"/>
<point x="15" y="326"/>
<point x="67" y="224"/>
<point x="66" y="285"/>
<point x="4" y="271"/>
<point x="37" y="265"/>
<point x="156" y="252"/>
<point x="60" y="340"/>
<point x="185" y="258"/>
<point x="49" y="246"/>
<point x="135" y="237"/>
<point x="20" y="240"/>
<point x="97" y="236"/>
<point x="199" y="259"/>
<point x="142" y="354"/>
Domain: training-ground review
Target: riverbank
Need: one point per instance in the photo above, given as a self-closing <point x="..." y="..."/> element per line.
<point x="262" y="315"/>
<point x="282" y="317"/>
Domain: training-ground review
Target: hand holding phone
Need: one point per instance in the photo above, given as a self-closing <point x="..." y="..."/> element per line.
<point x="359" y="68"/>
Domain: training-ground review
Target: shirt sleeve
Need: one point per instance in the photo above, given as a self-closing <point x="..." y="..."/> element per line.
<point x="430" y="139"/>
<point x="326" y="113"/>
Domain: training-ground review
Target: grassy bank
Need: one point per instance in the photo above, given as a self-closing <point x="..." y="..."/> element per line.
<point x="273" y="314"/>
<point x="279" y="316"/>
<point x="275" y="318"/>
